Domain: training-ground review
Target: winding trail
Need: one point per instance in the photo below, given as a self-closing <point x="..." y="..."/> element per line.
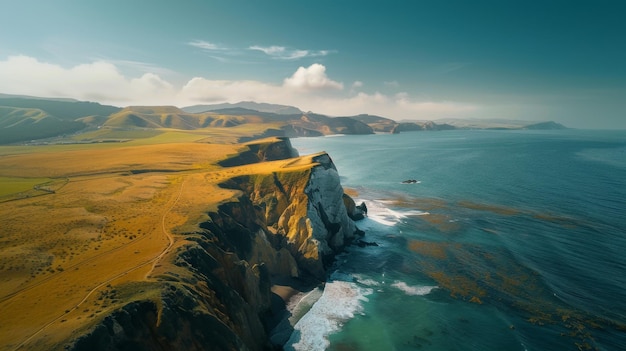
<point x="154" y="262"/>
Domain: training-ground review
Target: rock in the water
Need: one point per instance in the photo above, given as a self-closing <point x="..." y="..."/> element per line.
<point x="363" y="208"/>
<point x="362" y="243"/>
<point x="355" y="212"/>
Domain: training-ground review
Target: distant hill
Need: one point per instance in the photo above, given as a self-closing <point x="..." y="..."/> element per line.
<point x="26" y="118"/>
<point x="378" y="124"/>
<point x="60" y="108"/>
<point x="168" y="117"/>
<point x="249" y="105"/>
<point x="545" y="126"/>
<point x="22" y="124"/>
<point x="305" y="124"/>
<point x="30" y="118"/>
<point x="420" y="126"/>
<point x="11" y="96"/>
<point x="386" y="125"/>
<point x="503" y="124"/>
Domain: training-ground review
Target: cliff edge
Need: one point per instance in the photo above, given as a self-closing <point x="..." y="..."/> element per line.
<point x="211" y="291"/>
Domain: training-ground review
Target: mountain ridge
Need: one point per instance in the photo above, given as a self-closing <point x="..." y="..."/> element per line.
<point x="60" y="118"/>
<point x="249" y="105"/>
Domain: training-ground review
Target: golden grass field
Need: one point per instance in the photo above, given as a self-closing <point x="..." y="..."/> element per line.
<point x="82" y="230"/>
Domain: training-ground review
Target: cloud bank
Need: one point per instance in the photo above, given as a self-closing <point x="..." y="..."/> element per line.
<point x="309" y="88"/>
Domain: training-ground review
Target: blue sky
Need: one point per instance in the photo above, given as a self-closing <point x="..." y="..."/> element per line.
<point x="532" y="60"/>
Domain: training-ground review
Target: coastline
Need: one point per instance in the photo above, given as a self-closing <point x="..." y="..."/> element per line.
<point x="291" y="299"/>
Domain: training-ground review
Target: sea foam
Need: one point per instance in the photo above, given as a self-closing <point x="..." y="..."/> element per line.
<point x="381" y="213"/>
<point x="413" y="290"/>
<point x="341" y="301"/>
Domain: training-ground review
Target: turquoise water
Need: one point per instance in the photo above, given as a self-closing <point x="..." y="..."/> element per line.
<point x="510" y="240"/>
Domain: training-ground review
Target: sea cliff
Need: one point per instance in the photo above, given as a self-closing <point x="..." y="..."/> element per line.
<point x="213" y="291"/>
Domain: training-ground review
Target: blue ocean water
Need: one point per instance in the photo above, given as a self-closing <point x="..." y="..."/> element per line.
<point x="508" y="240"/>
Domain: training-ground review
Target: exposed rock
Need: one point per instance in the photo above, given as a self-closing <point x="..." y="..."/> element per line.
<point x="362" y="243"/>
<point x="363" y="208"/>
<point x="355" y="212"/>
<point x="304" y="211"/>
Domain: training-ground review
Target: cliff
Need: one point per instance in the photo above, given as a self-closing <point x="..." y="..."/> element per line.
<point x="303" y="210"/>
<point x="212" y="292"/>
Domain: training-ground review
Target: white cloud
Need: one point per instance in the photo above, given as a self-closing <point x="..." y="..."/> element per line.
<point x="274" y="51"/>
<point x="99" y="80"/>
<point x="309" y="88"/>
<point x="205" y="45"/>
<point x="283" y="53"/>
<point x="269" y="50"/>
<point x="312" y="78"/>
<point x="200" y="89"/>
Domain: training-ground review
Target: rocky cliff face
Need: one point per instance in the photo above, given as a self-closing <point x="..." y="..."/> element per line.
<point x="216" y="293"/>
<point x="304" y="212"/>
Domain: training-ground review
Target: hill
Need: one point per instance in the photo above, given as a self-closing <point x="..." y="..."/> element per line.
<point x="248" y="105"/>
<point x="30" y="118"/>
<point x="378" y="124"/>
<point x="503" y="124"/>
<point x="24" y="119"/>
<point x="545" y="126"/>
<point x="60" y="108"/>
<point x="168" y="117"/>
<point x="387" y="125"/>
<point x="20" y="124"/>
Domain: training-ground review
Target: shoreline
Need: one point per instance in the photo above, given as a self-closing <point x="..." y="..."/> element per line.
<point x="288" y="295"/>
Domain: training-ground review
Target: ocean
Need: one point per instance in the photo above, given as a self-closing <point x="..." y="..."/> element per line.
<point x="506" y="240"/>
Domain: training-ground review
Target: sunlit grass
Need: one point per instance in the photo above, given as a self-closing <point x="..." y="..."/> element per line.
<point x="13" y="185"/>
<point x="116" y="134"/>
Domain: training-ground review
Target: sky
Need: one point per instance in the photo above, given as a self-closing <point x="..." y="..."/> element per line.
<point x="418" y="60"/>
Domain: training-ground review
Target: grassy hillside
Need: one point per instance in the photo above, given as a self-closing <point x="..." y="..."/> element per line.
<point x="169" y="117"/>
<point x="25" y="118"/>
<point x="65" y="110"/>
<point x="23" y="124"/>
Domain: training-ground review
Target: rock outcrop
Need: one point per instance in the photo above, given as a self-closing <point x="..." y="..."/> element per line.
<point x="215" y="292"/>
<point x="303" y="210"/>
